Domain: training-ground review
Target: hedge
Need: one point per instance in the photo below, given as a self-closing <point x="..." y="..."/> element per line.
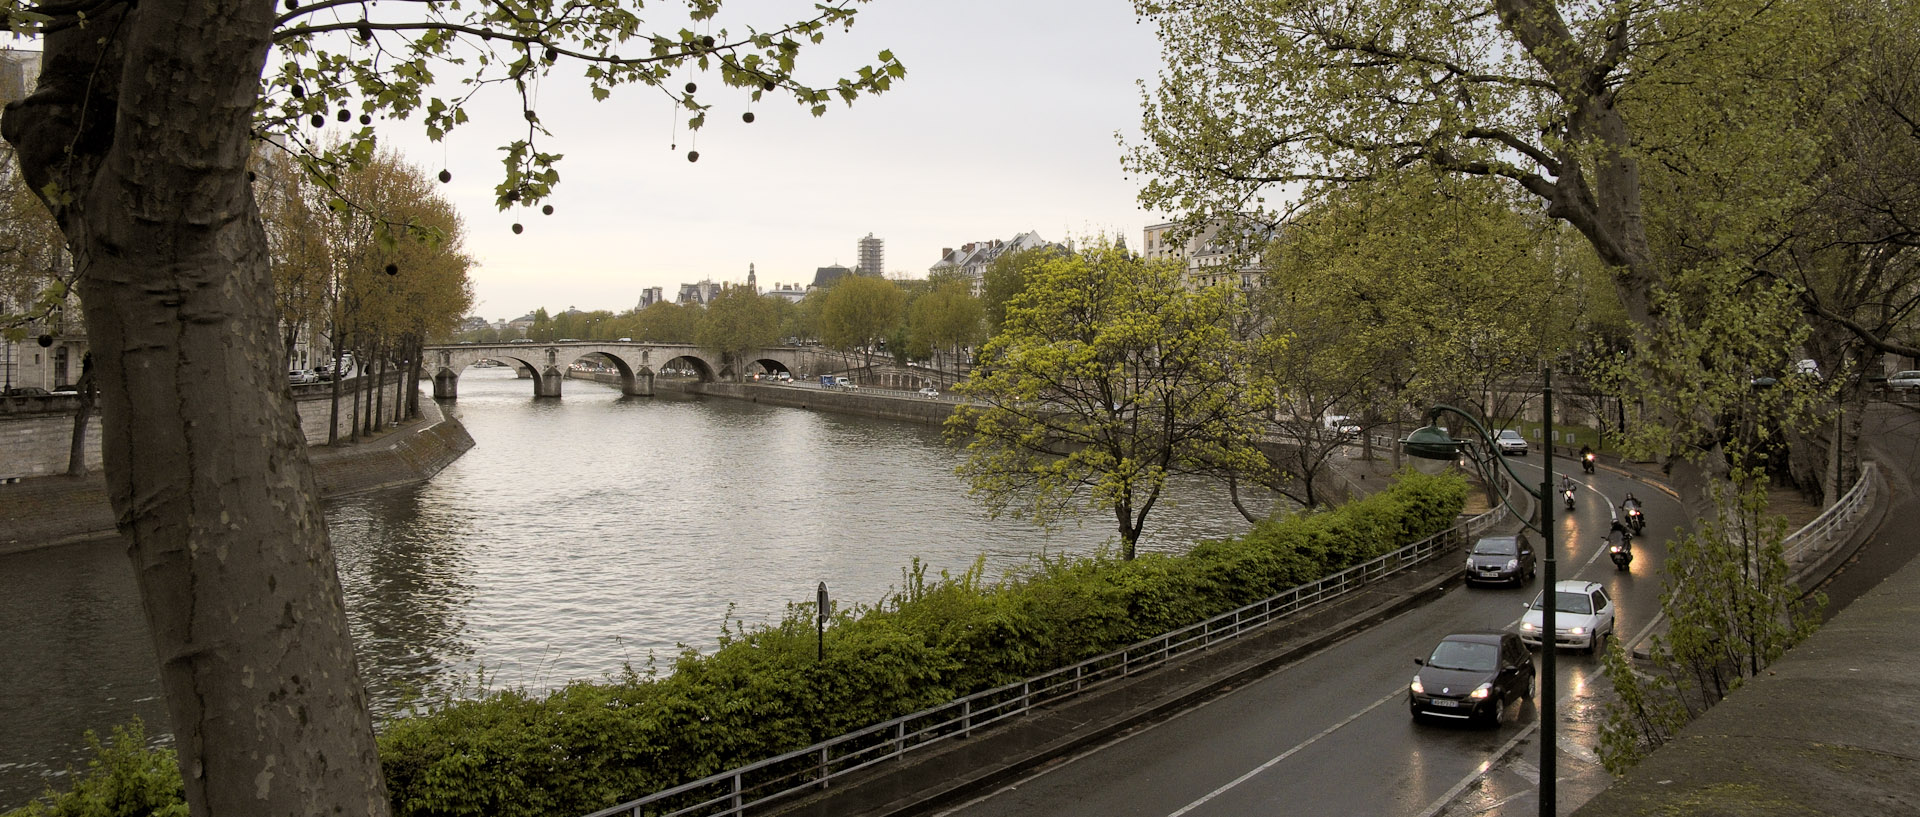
<point x="762" y="692"/>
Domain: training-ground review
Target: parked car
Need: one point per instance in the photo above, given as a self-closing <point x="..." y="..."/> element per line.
<point x="1340" y="424"/>
<point x="1904" y="381"/>
<point x="1472" y="676"/>
<point x="301" y="377"/>
<point x="1510" y="442"/>
<point x="521" y="340"/>
<point x="26" y="391"/>
<point x="1582" y="616"/>
<point x="929" y="392"/>
<point x="1501" y="559"/>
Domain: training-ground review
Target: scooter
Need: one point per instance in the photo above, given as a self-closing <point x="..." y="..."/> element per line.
<point x="1567" y="494"/>
<point x="1586" y="462"/>
<point x="1621" y="553"/>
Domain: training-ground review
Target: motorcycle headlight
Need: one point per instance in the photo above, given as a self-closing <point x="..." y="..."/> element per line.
<point x="1416" y="687"/>
<point x="1481" y="692"/>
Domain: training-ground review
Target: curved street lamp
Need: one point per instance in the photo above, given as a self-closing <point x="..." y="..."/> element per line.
<point x="1435" y="443"/>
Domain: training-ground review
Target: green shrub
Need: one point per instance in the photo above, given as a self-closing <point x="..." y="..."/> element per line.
<point x="124" y="778"/>
<point x="764" y="691"/>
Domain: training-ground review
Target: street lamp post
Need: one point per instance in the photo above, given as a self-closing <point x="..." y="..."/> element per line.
<point x="1435" y="443"/>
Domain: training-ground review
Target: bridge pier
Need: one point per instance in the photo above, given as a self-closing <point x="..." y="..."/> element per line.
<point x="446" y="385"/>
<point x="548" y="383"/>
<point x="638" y="384"/>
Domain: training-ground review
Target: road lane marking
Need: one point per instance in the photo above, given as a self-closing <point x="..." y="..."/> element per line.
<point x="1284" y="755"/>
<point x="1478" y="772"/>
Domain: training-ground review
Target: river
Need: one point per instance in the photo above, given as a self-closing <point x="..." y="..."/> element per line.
<point x="579" y="536"/>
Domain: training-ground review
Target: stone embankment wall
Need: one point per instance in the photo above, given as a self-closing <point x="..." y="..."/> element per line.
<point x="36" y="513"/>
<point x="913" y="409"/>
<point x="36" y="433"/>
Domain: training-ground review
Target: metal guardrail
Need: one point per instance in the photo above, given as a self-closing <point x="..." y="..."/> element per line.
<point x="733" y="792"/>
<point x="1834" y="523"/>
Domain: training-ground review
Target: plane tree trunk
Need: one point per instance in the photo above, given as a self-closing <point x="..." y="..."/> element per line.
<point x="138" y="137"/>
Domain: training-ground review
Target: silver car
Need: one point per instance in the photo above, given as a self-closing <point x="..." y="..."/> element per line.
<point x="1510" y="442"/>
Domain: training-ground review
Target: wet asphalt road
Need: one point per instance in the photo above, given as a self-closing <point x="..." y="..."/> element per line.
<point x="1331" y="735"/>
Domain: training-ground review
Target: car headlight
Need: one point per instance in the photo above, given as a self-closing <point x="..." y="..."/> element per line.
<point x="1577" y="631"/>
<point x="1513" y="564"/>
<point x="1481" y="692"/>
<point x="1469" y="563"/>
<point x="1416" y="687"/>
<point x="1528" y="627"/>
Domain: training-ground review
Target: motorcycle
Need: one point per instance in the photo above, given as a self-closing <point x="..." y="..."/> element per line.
<point x="1637" y="520"/>
<point x="1621" y="553"/>
<point x="1567" y="494"/>
<point x="1586" y="462"/>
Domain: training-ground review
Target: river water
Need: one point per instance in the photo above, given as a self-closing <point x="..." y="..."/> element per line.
<point x="578" y="537"/>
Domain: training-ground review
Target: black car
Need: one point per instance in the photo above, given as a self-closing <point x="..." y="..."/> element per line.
<point x="1472" y="676"/>
<point x="1500" y="559"/>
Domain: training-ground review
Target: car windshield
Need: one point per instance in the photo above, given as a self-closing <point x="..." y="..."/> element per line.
<point x="1569" y="602"/>
<point x="1509" y="434"/>
<point x="1496" y="547"/>
<point x="1471" y="656"/>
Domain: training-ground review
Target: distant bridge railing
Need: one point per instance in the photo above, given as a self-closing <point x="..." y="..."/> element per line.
<point x="770" y="780"/>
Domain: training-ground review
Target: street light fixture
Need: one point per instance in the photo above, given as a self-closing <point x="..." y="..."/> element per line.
<point x="1435" y="443"/>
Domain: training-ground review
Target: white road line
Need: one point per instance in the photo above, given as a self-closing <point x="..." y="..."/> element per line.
<point x="1461" y="786"/>
<point x="1284" y="755"/>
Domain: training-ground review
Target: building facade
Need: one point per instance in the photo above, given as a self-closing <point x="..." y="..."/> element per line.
<point x="973" y="259"/>
<point x="1225" y="251"/>
<point x="873" y="256"/>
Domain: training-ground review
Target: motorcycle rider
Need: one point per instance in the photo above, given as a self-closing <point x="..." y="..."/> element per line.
<point x="1631" y="507"/>
<point x="1567" y="487"/>
<point x="1586" y="458"/>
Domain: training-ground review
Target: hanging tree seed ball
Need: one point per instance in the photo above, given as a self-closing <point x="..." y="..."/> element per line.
<point x="747" y="117"/>
<point x="298" y="92"/>
<point x="366" y="119"/>
<point x="46" y="341"/>
<point x="693" y="155"/>
<point x="706" y="42"/>
<point x="767" y="86"/>
<point x="346" y="115"/>
<point x="517" y="228"/>
<point x="293" y="5"/>
<point x="319" y="121"/>
<point x="692" y="87"/>
<point x="552" y="55"/>
<point x="546" y="210"/>
<point x="393" y="269"/>
<point x="364" y="31"/>
<point x="446" y="176"/>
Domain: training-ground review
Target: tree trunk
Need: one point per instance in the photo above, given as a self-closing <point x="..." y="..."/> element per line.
<point x="77" y="452"/>
<point x="141" y="121"/>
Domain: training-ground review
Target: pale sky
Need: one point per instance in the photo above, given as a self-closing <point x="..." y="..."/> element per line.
<point x="1005" y="123"/>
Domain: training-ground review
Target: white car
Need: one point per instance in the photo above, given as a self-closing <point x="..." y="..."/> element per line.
<point x="1510" y="442"/>
<point x="299" y="377"/>
<point x="1582" y="616"/>
<point x="1904" y="381"/>
<point x="929" y="392"/>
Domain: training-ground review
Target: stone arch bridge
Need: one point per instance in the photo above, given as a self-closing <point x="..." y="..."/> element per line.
<point x="636" y="362"/>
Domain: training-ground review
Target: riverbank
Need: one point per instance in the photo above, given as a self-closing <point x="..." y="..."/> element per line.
<point x="50" y="511"/>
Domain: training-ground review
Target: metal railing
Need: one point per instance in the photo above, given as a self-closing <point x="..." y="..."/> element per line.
<point x="1836" y="522"/>
<point x="733" y="792"/>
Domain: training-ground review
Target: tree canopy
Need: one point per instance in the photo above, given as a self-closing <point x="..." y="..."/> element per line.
<point x="1108" y="377"/>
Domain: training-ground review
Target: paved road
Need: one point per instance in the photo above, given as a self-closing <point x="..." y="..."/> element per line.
<point x="1330" y="734"/>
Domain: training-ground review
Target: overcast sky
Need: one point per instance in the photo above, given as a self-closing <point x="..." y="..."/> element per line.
<point x="1005" y="123"/>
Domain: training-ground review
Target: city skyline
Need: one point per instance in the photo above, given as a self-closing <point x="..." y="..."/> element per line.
<point x="1006" y="123"/>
